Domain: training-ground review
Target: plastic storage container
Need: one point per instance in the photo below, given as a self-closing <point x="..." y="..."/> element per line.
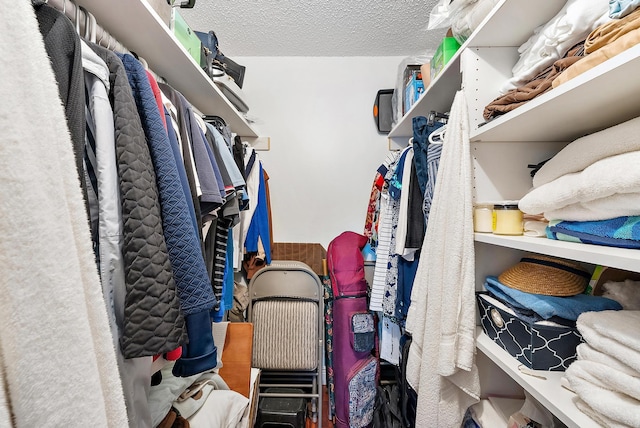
<point x="285" y="412"/>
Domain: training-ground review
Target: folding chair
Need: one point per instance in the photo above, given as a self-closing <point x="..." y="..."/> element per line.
<point x="286" y="309"/>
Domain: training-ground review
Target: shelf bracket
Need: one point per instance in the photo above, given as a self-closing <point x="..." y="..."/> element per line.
<point x="259" y="143"/>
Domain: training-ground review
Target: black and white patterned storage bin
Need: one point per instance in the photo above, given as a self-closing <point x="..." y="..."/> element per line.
<point x="537" y="346"/>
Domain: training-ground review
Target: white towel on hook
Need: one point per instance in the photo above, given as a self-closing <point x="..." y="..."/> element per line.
<point x="441" y="362"/>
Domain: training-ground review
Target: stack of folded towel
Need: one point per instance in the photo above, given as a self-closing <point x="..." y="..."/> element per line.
<point x="606" y="41"/>
<point x="590" y="191"/>
<point x="550" y="57"/>
<point x="606" y="376"/>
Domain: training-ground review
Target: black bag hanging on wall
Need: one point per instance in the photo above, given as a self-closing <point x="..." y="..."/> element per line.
<point x="212" y="58"/>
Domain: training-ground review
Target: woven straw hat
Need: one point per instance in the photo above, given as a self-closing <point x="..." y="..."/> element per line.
<point x="546" y="275"/>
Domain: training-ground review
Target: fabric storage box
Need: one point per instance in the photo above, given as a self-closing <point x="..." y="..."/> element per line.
<point x="536" y="345"/>
<point x="289" y="412"/>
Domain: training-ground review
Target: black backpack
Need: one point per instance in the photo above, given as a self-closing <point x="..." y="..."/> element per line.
<point x="387" y="409"/>
<point x="408" y="396"/>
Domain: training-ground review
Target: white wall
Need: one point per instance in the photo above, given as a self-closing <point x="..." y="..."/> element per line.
<point x="325" y="147"/>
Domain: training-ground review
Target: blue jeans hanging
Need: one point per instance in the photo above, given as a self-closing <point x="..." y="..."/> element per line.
<point x="421" y="132"/>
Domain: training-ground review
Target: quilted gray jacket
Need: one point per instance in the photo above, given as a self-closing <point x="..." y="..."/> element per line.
<point x="153" y="322"/>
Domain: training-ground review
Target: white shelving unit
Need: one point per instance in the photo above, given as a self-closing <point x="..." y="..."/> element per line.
<point x="620" y="258"/>
<point x="138" y="27"/>
<point x="548" y="391"/>
<point x="507" y="16"/>
<point x="502" y="148"/>
<point x="571" y="110"/>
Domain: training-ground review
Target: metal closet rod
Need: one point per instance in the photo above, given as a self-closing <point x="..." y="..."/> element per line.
<point x="86" y="25"/>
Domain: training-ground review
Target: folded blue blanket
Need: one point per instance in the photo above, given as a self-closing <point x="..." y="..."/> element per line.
<point x="621" y="232"/>
<point x="549" y="306"/>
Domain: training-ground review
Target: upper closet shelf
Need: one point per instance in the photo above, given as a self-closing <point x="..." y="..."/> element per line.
<point x="502" y="27"/>
<point x="620" y="258"/>
<point x="438" y="96"/>
<point x="601" y="97"/>
<point x="137" y="26"/>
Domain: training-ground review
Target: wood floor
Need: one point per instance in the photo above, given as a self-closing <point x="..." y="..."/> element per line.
<point x="325" y="409"/>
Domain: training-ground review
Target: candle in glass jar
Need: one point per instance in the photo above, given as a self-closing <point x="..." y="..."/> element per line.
<point x="483" y="218"/>
<point x="507" y="219"/>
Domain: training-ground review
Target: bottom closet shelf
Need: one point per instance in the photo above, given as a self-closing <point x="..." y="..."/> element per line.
<point x="549" y="392"/>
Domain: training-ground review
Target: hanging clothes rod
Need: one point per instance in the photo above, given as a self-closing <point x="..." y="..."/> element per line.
<point x="86" y="25"/>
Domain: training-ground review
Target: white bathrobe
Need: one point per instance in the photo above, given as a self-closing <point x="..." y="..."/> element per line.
<point x="441" y="362"/>
<point x="57" y="358"/>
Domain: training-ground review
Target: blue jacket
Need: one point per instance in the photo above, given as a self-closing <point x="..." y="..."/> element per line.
<point x="183" y="242"/>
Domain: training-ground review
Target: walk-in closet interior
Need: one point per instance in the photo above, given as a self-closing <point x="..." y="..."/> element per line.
<point x="354" y="214"/>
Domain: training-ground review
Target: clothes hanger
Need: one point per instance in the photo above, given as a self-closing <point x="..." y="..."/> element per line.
<point x="92" y="23"/>
<point x="437" y="136"/>
<point x="76" y="20"/>
<point x="437" y="116"/>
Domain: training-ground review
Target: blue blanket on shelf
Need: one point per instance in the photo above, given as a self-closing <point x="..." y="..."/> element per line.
<point x="621" y="232"/>
<point x="549" y="306"/>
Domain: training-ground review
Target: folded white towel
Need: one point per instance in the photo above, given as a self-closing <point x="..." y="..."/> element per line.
<point x="606" y="391"/>
<point x="588" y="353"/>
<point x="535" y="228"/>
<point x="576" y="156"/>
<point x="549" y="42"/>
<point x="618" y="205"/>
<point x="615" y="175"/>
<point x="599" y="418"/>
<point x="614" y="333"/>
<point x="606" y="377"/>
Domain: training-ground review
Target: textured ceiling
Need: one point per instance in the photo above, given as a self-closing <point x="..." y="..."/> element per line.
<point x="317" y="28"/>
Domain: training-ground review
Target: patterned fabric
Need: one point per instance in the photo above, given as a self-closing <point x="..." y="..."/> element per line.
<point x="363" y="329"/>
<point x="391" y="278"/>
<point x="285" y="334"/>
<point x="328" y="343"/>
<point x="382" y="251"/>
<point x="433" y="160"/>
<point x="194" y="287"/>
<point x="153" y="323"/>
<point x="362" y="323"/>
<point x="373" y="209"/>
<point x="362" y="395"/>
